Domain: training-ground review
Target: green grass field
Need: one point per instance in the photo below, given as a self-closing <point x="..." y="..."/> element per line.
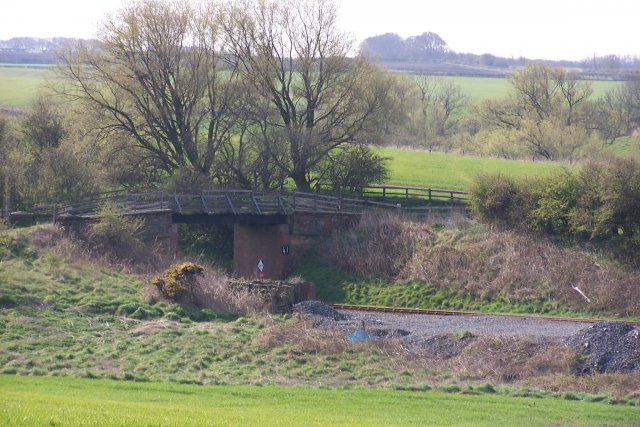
<point x="29" y="401"/>
<point x="478" y="88"/>
<point x="18" y="85"/>
<point x="450" y="171"/>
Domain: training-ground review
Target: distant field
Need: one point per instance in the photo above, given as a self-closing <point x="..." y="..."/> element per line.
<point x="28" y="401"/>
<point x="451" y="171"/>
<point x="478" y="88"/>
<point x="18" y="85"/>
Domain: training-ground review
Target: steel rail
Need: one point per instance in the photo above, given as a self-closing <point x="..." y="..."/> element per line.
<point x="439" y="312"/>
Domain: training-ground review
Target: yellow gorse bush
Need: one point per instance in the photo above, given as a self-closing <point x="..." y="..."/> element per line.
<point x="178" y="280"/>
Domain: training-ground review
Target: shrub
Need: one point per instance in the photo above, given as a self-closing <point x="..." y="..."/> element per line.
<point x="179" y="281"/>
<point x="555" y="199"/>
<point x="116" y="234"/>
<point x="499" y="198"/>
<point x="351" y="167"/>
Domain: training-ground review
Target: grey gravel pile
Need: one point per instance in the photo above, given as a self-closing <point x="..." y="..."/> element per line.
<point x="608" y="347"/>
<point x="318" y="309"/>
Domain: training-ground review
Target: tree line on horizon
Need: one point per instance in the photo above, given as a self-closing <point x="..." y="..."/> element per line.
<point x="391" y="48"/>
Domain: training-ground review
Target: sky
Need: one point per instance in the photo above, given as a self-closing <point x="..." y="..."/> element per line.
<point x="536" y="29"/>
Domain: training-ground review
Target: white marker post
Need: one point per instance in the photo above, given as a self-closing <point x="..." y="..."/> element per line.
<point x="261" y="269"/>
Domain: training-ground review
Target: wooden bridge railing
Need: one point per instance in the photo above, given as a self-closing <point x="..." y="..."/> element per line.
<point x="396" y="193"/>
<point x="235" y="202"/>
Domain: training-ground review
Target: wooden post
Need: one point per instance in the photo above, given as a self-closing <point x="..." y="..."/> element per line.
<point x="429" y="194"/>
<point x="384" y="193"/>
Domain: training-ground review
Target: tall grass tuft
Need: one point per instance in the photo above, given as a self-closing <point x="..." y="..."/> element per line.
<point x="379" y="246"/>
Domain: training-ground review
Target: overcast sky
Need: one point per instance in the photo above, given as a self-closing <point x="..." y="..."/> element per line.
<point x="542" y="29"/>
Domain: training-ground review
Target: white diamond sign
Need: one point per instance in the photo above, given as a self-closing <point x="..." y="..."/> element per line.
<point x="260" y="266"/>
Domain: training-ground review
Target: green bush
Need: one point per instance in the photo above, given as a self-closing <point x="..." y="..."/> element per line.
<point x="500" y="198"/>
<point x="554" y="200"/>
<point x="598" y="201"/>
<point x="115" y="233"/>
<point x="351" y="167"/>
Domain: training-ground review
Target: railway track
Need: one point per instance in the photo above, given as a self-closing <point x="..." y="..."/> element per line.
<point x="436" y="312"/>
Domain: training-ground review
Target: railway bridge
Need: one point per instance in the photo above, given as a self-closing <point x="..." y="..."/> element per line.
<point x="271" y="230"/>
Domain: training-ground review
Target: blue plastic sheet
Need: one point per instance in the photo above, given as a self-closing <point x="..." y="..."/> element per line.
<point x="359" y="335"/>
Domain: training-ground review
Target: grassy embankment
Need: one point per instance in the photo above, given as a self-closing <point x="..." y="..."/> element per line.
<point x="73" y="317"/>
<point x="453" y="263"/>
<point x="63" y="316"/>
<point x="76" y="402"/>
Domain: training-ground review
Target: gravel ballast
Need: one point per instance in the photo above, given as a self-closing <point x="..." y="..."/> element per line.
<point x="424" y="326"/>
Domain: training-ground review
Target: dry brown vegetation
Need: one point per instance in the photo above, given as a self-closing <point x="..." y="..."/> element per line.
<point x="518" y="362"/>
<point x="466" y="257"/>
<point x="303" y="337"/>
<point x="213" y="290"/>
<point x="616" y="385"/>
<point x="512" y="359"/>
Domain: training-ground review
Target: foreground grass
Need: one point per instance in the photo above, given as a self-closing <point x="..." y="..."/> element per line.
<point x="451" y="171"/>
<point x="70" y="402"/>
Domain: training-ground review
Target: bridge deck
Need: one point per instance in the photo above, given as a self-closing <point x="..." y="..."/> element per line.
<point x="217" y="202"/>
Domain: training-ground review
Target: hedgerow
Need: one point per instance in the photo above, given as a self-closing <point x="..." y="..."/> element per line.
<point x="598" y="202"/>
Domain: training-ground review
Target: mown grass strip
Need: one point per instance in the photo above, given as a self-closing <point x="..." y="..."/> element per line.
<point x="30" y="401"/>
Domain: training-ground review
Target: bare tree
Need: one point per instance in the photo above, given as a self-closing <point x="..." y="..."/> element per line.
<point x="156" y="76"/>
<point x="548" y="110"/>
<point x="296" y="57"/>
<point x="440" y="102"/>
